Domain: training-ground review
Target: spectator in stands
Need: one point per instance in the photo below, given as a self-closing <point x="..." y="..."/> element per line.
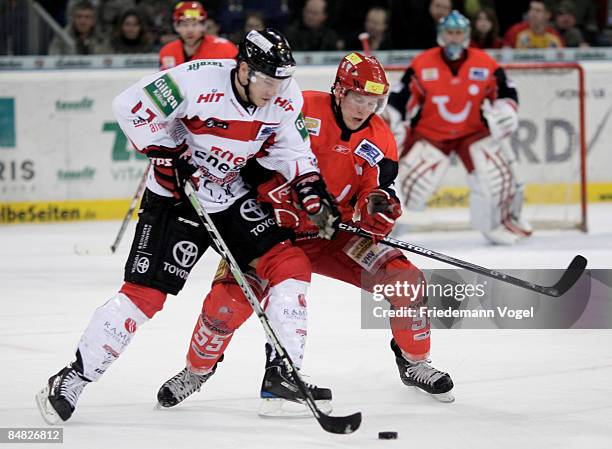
<point x="212" y="27"/>
<point x="131" y="34"/>
<point x="159" y="13"/>
<point x="486" y="30"/>
<point x="253" y="20"/>
<point x="82" y="28"/>
<point x="13" y="22"/>
<point x="565" y="24"/>
<point x="424" y="29"/>
<point x="376" y="25"/>
<point x="585" y="13"/>
<point x="107" y="13"/>
<point x="536" y="31"/>
<point x="311" y="33"/>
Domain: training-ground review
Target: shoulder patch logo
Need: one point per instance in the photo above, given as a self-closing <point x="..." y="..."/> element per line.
<point x="313" y="125"/>
<point x="370" y="152"/>
<point x="430" y="74"/>
<point x="478" y="73"/>
<point x="266" y="131"/>
<point x="168" y="61"/>
<point x="165" y="94"/>
<point x="301" y="127"/>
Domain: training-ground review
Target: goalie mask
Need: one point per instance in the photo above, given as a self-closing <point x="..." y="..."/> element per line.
<point x="362" y="80"/>
<point x="452" y="24"/>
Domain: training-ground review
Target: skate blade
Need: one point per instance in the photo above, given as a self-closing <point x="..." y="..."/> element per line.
<point x="282" y="408"/>
<point x="47" y="411"/>
<point x="442" y="397"/>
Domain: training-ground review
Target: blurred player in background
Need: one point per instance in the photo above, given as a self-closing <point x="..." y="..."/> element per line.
<point x="189" y="22"/>
<point x="357" y="156"/>
<point x="458" y="99"/>
<point x="209" y="118"/>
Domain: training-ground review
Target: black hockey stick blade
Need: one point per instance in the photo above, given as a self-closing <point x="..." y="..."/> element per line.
<point x="340" y="424"/>
<point x="569" y="278"/>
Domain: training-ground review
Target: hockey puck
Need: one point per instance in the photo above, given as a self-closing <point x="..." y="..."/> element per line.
<point x="387" y="435"/>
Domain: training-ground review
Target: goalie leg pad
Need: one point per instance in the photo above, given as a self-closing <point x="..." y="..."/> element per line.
<point x="109" y="332"/>
<point x="421" y="172"/>
<point x="495" y="194"/>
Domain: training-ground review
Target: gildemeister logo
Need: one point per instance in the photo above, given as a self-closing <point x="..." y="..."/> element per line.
<point x="84" y="104"/>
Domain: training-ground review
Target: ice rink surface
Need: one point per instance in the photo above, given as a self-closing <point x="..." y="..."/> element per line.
<point x="513" y="388"/>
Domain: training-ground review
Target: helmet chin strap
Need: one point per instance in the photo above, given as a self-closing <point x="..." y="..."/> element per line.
<point x="247" y="86"/>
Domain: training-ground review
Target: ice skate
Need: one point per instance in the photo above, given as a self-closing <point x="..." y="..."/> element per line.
<point x="423" y="376"/>
<point x="280" y="396"/>
<point x="57" y="399"/>
<point x="178" y="388"/>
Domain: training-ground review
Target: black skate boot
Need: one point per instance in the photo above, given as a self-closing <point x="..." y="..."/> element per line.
<point x="182" y="385"/>
<point x="280" y="395"/>
<point x="57" y="400"/>
<point x="424" y="376"/>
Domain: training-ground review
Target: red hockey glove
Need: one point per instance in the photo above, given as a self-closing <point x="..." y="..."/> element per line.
<point x="312" y="196"/>
<point x="171" y="166"/>
<point x="279" y="194"/>
<point x="379" y="212"/>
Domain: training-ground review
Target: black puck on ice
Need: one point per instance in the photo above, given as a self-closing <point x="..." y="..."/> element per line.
<point x="387" y="435"/>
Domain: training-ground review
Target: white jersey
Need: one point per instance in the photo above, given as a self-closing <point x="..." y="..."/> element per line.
<point x="197" y="101"/>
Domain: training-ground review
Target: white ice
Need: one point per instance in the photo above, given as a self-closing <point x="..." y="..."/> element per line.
<point x="514" y="388"/>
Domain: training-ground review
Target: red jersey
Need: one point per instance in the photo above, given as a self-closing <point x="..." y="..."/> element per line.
<point x="351" y="163"/>
<point x="211" y="47"/>
<point x="444" y="104"/>
<point x="521" y="36"/>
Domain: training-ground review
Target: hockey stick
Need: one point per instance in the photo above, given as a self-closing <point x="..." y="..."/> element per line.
<point x="333" y="424"/>
<point x="364" y="38"/>
<point x="130" y="211"/>
<point x="567" y="280"/>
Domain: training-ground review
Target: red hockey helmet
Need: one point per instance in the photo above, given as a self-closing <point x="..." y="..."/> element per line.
<point x="189" y="10"/>
<point x="363" y="75"/>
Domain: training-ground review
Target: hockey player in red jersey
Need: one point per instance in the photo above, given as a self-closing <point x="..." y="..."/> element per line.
<point x="458" y="99"/>
<point x="194" y="43"/>
<point x="357" y="156"/>
<point x="208" y="118"/>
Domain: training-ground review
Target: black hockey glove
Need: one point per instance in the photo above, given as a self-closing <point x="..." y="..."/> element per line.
<point x="171" y="166"/>
<point x="313" y="197"/>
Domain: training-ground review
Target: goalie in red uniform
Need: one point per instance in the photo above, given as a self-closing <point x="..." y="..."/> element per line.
<point x="458" y="99"/>
<point x="357" y="156"/>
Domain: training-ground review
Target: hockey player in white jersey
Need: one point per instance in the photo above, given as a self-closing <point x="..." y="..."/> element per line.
<point x="209" y="117"/>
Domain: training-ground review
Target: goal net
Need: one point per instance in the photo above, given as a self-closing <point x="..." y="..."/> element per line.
<point x="549" y="147"/>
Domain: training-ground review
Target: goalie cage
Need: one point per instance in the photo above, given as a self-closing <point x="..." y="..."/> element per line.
<point x="550" y="150"/>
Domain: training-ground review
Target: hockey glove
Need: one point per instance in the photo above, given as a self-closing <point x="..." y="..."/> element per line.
<point x="379" y="212"/>
<point x="312" y="197"/>
<point x="279" y="194"/>
<point x="171" y="167"/>
<point x="501" y="117"/>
